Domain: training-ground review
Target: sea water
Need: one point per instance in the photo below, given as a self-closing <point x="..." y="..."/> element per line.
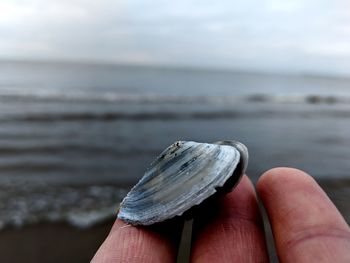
<point x="74" y="136"/>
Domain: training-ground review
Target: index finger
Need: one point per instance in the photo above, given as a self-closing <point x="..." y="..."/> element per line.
<point x="306" y="225"/>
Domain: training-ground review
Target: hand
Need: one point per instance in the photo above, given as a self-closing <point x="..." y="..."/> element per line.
<point x="306" y="227"/>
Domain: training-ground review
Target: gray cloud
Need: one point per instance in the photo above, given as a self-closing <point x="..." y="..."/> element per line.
<point x="265" y="35"/>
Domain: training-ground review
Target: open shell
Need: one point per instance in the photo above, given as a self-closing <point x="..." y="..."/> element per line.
<point x="184" y="175"/>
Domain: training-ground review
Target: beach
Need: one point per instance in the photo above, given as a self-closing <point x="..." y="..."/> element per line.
<point x="74" y="137"/>
<point x="62" y="242"/>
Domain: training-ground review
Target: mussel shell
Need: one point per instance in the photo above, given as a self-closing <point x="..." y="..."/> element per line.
<point x="184" y="175"/>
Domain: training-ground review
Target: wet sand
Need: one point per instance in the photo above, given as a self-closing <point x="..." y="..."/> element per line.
<point x="60" y="242"/>
<point x="51" y="242"/>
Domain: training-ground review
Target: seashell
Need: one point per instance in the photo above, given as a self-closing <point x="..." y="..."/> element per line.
<point x="183" y="176"/>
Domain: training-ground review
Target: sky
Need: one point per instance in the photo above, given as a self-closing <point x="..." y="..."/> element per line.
<point x="293" y="36"/>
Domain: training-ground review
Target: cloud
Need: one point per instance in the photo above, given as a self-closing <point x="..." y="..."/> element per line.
<point x="265" y="35"/>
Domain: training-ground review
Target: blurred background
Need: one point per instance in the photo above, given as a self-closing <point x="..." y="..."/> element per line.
<point x="92" y="91"/>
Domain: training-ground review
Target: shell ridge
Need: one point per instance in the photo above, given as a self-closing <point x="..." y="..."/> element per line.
<point x="154" y="173"/>
<point x="199" y="195"/>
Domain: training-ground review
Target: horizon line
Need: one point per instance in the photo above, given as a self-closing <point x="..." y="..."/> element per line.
<point x="186" y="67"/>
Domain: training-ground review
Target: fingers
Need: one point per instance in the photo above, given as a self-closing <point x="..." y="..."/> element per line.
<point x="306" y="225"/>
<point x="230" y="230"/>
<point x="129" y="244"/>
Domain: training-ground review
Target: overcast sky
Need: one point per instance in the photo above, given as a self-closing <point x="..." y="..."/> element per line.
<point x="297" y="36"/>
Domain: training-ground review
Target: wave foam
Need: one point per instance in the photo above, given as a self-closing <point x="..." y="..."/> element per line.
<point x="80" y="206"/>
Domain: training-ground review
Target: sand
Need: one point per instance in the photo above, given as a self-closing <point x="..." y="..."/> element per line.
<point x="60" y="242"/>
<point x="56" y="242"/>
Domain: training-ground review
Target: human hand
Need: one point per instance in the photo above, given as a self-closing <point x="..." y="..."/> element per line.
<point x="306" y="227"/>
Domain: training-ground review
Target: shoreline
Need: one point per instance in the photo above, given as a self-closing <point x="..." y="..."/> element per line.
<point x="62" y="242"/>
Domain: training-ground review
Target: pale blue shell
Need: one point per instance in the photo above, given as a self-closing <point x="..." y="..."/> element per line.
<point x="183" y="175"/>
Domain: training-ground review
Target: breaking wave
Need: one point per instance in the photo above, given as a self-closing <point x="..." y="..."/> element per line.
<point x="23" y="204"/>
<point x="127" y="98"/>
<point x="171" y="115"/>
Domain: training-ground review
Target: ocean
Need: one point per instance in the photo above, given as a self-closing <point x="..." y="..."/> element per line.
<point x="74" y="137"/>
